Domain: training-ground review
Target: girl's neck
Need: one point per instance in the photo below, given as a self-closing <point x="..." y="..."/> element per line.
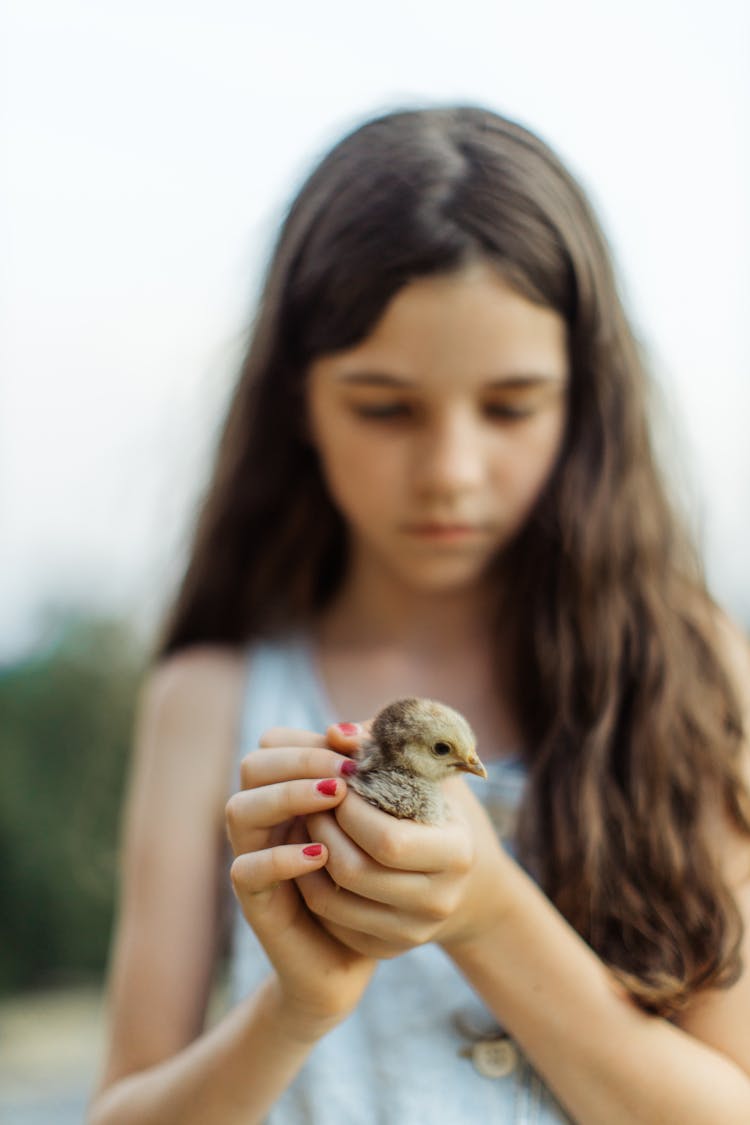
<point x="379" y="641"/>
<point x="373" y="609"/>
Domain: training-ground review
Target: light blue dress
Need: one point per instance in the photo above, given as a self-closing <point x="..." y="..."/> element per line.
<point x="404" y="1057"/>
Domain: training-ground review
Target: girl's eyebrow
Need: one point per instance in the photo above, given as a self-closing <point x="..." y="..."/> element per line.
<point x="373" y="378"/>
<point x="383" y="379"/>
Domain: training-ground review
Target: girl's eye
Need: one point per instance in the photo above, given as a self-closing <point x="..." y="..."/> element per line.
<point x="383" y="411"/>
<point x="507" y="411"/>
<point x="441" y="748"/>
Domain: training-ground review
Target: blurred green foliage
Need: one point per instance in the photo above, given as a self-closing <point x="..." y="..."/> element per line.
<point x="66" y="724"/>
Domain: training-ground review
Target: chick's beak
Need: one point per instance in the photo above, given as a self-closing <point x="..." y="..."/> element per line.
<point x="472" y="764"/>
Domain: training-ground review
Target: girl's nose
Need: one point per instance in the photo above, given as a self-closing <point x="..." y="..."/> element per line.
<point x="450" y="459"/>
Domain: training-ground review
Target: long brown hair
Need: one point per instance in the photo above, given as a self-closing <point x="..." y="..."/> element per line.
<point x="632" y="726"/>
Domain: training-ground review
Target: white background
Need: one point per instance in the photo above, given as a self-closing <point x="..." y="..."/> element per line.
<point x="149" y="149"/>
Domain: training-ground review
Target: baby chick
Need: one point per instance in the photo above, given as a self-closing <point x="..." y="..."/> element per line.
<point x="416" y="744"/>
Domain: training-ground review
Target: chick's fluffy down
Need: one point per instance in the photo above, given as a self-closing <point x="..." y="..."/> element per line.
<point x="416" y="744"/>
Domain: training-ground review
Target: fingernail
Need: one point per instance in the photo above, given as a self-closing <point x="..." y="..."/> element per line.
<point x="348" y="729"/>
<point x="348" y="767"/>
<point x="327" y="787"/>
<point x="312" y="849"/>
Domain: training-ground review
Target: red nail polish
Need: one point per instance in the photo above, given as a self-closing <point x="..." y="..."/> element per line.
<point x="348" y="767"/>
<point x="348" y="728"/>
<point x="312" y="849"/>
<point x="327" y="787"/>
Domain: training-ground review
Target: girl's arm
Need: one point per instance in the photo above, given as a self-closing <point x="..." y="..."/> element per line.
<point x="400" y="884"/>
<point x="231" y="1076"/>
<point x="605" y="1059"/>
<point x="160" y="1066"/>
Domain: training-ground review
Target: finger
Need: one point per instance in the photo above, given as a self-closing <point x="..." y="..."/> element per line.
<point x="354" y="870"/>
<point x="404" y="844"/>
<point x="328" y="902"/>
<point x="364" y="943"/>
<point x="256" y="876"/>
<point x="251" y="813"/>
<point x="264" y="883"/>
<point x="347" y="737"/>
<point x="289" y="762"/>
<point x="291" y="736"/>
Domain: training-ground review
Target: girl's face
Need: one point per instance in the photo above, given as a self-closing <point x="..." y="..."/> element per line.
<point x="438" y="431"/>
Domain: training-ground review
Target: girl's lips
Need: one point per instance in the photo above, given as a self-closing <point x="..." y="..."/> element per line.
<point x="446" y="532"/>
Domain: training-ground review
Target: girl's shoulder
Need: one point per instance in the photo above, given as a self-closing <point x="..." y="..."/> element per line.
<point x="190" y="703"/>
<point x="210" y="670"/>
<point x="728" y="841"/>
<point x="734" y="647"/>
<point x="731" y="644"/>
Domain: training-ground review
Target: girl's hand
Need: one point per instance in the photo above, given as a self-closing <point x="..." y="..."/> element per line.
<point x="392" y="884"/>
<point x="320" y="980"/>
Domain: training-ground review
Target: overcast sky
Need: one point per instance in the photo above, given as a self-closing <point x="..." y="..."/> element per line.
<point x="149" y="150"/>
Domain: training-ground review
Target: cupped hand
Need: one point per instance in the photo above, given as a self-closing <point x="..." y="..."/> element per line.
<point x="294" y="775"/>
<point x="391" y="884"/>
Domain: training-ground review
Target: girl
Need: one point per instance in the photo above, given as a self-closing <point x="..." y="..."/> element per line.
<point x="436" y="479"/>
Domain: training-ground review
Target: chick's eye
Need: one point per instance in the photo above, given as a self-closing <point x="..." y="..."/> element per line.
<point x="441" y="748"/>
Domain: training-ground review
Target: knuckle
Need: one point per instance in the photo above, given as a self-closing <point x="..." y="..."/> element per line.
<point x="460" y="853"/>
<point x="388" y="847"/>
<point x="315" y="899"/>
<point x="288" y="798"/>
<point x="247" y="771"/>
<point x="232" y="816"/>
<point x="270" y="737"/>
<point x="436" y="910"/>
<point x="276" y="867"/>
<point x="238" y="873"/>
<point x="307" y="762"/>
<point x="345" y="872"/>
<point x="360" y="943"/>
<point x="388" y="952"/>
<point x="417" y="932"/>
<point x="316" y="760"/>
<point x="463" y="858"/>
<point x="442" y="906"/>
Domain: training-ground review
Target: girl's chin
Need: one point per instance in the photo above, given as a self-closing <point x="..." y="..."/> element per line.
<point x="442" y="576"/>
<point x="424" y="571"/>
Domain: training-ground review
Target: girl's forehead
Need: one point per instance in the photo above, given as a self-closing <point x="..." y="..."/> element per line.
<point x="468" y="324"/>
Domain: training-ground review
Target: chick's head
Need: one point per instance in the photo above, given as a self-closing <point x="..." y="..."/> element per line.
<point x="427" y="738"/>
